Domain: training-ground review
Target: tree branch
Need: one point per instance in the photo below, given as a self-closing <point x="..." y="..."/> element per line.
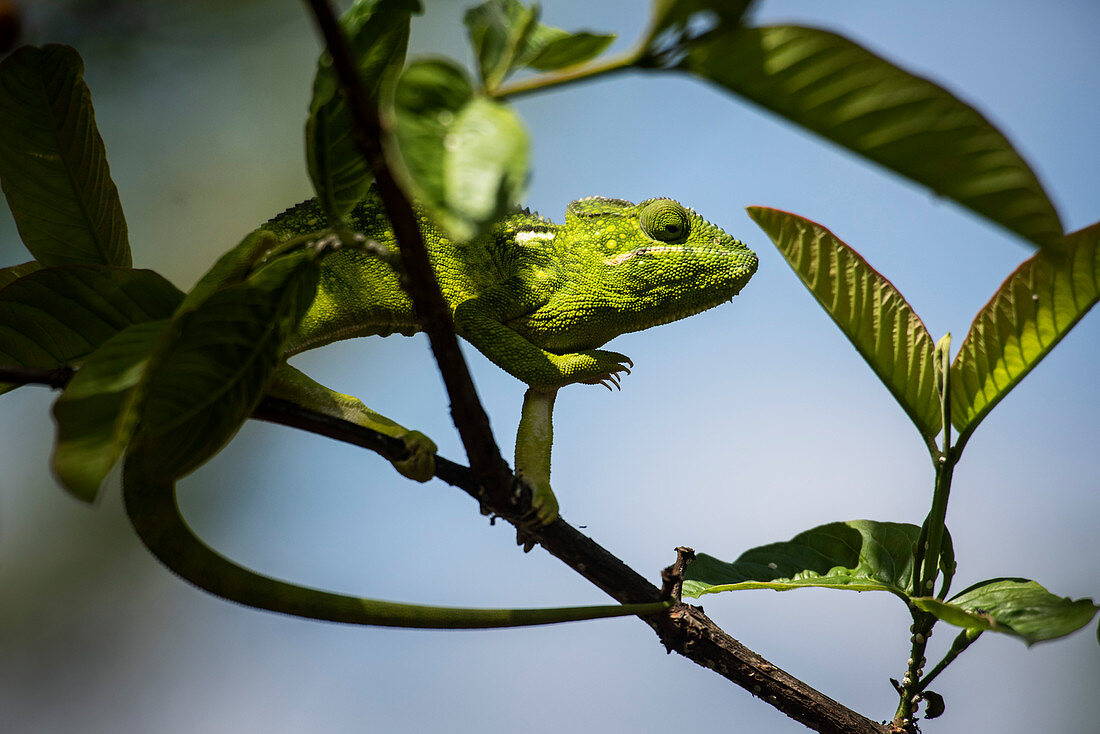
<point x="423" y="289"/>
<point x="685" y="629"/>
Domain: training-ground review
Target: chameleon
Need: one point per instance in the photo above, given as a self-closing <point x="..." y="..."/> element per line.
<point x="538" y="299"/>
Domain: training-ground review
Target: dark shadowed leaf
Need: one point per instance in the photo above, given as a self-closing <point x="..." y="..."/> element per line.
<point x="15" y="272"/>
<point x="204" y="382"/>
<point x="859" y="555"/>
<point x="1017" y="607"/>
<point x="53" y="166"/>
<point x="97" y="413"/>
<point x="466" y="156"/>
<point x="1027" y="316"/>
<point x="57" y="316"/>
<point x="378" y="32"/>
<point x="843" y="92"/>
<point x="867" y="307"/>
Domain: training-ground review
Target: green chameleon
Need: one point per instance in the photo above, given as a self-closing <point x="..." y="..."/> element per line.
<point x="536" y="298"/>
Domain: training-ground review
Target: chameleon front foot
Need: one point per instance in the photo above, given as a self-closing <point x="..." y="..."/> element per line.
<point x="595" y="367"/>
<point x="611" y="378"/>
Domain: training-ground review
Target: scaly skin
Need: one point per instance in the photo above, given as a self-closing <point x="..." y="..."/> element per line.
<point x="538" y="299"/>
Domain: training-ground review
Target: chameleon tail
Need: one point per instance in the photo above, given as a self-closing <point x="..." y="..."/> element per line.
<point x="153" y="511"/>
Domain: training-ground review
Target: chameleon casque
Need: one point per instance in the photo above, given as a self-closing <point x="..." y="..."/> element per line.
<point x="538" y="299"/>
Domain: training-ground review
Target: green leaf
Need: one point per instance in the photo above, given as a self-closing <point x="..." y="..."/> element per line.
<point x="506" y="37"/>
<point x="499" y="32"/>
<point x="378" y="32"/>
<point x="466" y="156"/>
<point x="97" y="413"/>
<point x="867" y="307"/>
<point x="1027" y="316"/>
<point x="848" y="95"/>
<point x="53" y="166"/>
<point x="1017" y="607"/>
<point x="204" y="382"/>
<point x="859" y="555"/>
<point x="557" y="49"/>
<point x="57" y="316"/>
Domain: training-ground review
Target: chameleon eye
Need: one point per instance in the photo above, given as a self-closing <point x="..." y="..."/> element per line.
<point x="665" y="220"/>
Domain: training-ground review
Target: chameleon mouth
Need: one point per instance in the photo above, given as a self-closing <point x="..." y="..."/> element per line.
<point x="702" y="251"/>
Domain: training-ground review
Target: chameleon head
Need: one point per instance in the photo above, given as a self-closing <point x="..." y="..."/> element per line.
<point x="634" y="266"/>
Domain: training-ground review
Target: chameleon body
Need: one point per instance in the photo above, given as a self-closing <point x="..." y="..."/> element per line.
<point x="536" y="298"/>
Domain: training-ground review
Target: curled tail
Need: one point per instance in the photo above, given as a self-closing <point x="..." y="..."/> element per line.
<point x="153" y="511"/>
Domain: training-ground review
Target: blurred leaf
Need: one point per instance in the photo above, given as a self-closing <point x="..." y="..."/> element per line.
<point x="485" y="170"/>
<point x="97" y="413"/>
<point x="713" y="14"/>
<point x="15" y="272"/>
<point x="848" y="95"/>
<point x="675" y="24"/>
<point x="466" y="156"/>
<point x="506" y="37"/>
<point x="499" y="31"/>
<point x="53" y="166"/>
<point x="1017" y="607"/>
<point x="557" y="49"/>
<point x="56" y="316"/>
<point x="378" y="33"/>
<point x="867" y="307"/>
<point x="1027" y="316"/>
<point x="204" y="382"/>
<point x="859" y="555"/>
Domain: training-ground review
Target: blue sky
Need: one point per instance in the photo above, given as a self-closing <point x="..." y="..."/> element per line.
<point x="742" y="426"/>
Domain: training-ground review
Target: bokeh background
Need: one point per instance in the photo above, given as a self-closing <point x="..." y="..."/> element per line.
<point x="741" y="426"/>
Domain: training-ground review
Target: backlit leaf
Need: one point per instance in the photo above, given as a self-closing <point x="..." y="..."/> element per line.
<point x="867" y="307"/>
<point x="859" y="555"/>
<point x="1017" y="607"/>
<point x="1027" y="316"/>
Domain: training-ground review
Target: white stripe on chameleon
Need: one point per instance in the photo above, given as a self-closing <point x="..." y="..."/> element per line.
<point x="525" y="237"/>
<point x="623" y="257"/>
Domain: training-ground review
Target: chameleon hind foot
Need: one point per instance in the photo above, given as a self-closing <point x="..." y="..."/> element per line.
<point x="420" y="463"/>
<point x="544" y="509"/>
